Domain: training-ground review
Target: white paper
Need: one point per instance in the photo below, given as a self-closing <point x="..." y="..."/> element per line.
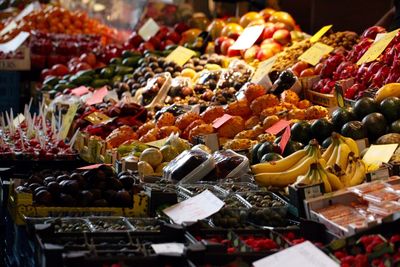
<point x="175" y="249"/>
<point x="248" y="37"/>
<point x="11" y="26"/>
<point x="18" y="120"/>
<point x="196" y="208"/>
<point x="27" y="10"/>
<point x="149" y="29"/>
<point x="15" y="43"/>
<point x="261" y="76"/>
<point x="304" y="254"/>
<point x="379" y="36"/>
<point x="377" y="154"/>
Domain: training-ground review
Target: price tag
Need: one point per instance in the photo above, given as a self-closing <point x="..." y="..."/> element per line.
<point x="173" y="249"/>
<point x="196" y="208"/>
<point x="304" y="254"/>
<point x="149" y="29"/>
<point x="15" y="43"/>
<point x="285" y="139"/>
<point x="11" y="26"/>
<point x="80" y="91"/>
<point x="278" y="127"/>
<point x="158" y="143"/>
<point x="67" y="120"/>
<point x="377" y="48"/>
<point x="18" y="120"/>
<point x="320" y="33"/>
<point x="97" y="96"/>
<point x="27" y="10"/>
<point x="315" y="53"/>
<point x="377" y="154"/>
<point x="261" y="76"/>
<point x="248" y="37"/>
<point x="180" y="55"/>
<point x="93" y="166"/>
<point x="379" y="36"/>
<point x="221" y="121"/>
<point x="97" y="118"/>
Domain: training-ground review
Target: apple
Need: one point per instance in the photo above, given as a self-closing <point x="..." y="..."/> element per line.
<point x="283" y="17"/>
<point x="174" y="37"/>
<point x="232" y="30"/>
<point x="251" y="53"/>
<point x="267" y="12"/>
<point x="215" y="28"/>
<point x="135" y="39"/>
<point x="233" y="52"/>
<point x="250" y="17"/>
<point x="282" y="36"/>
<point x="59" y="70"/>
<point x="83" y="66"/>
<point x="89" y="58"/>
<point x="155" y="41"/>
<point x="165" y="43"/>
<point x="223" y="47"/>
<point x="268" y="32"/>
<point x="264" y="54"/>
<point x="372" y="32"/>
<point x="181" y="27"/>
<point x="146" y="46"/>
<point x="274" y="46"/>
<point x="162" y="32"/>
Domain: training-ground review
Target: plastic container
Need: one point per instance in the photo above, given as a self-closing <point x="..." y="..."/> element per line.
<point x="236" y="75"/>
<point x="379" y="197"/>
<point x="366" y="188"/>
<point x="189" y="167"/>
<point x="237" y="187"/>
<point x="229" y="164"/>
<point x="109" y="224"/>
<point x="195" y="189"/>
<point x="145" y="225"/>
<point x="385" y="209"/>
<point x="161" y="94"/>
<point x="71" y="225"/>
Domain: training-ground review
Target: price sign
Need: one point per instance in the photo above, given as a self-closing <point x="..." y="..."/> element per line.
<point x="97" y="118"/>
<point x="377" y="48"/>
<point x="97" y="96"/>
<point x="315" y="53"/>
<point x="149" y="29"/>
<point x="15" y="43"/>
<point x="377" y="154"/>
<point x="221" y="121"/>
<point x="248" y="37"/>
<point x="261" y="76"/>
<point x="320" y="33"/>
<point x="278" y="127"/>
<point x="67" y="120"/>
<point x="80" y="91"/>
<point x="180" y="55"/>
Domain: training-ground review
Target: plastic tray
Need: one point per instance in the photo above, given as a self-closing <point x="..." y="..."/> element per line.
<point x="145" y="225"/>
<point x="379" y="197"/>
<point x="105" y="224"/>
<point x="194" y="189"/>
<point x="366" y="188"/>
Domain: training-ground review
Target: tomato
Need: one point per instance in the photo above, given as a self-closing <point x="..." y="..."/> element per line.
<point x="60" y="70"/>
<point x="83" y="66"/>
<point x="89" y="58"/>
<point x="45" y="73"/>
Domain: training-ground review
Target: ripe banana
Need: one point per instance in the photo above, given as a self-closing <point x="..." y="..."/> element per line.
<point x="280" y="165"/>
<point x="332" y="159"/>
<point x="352" y="145"/>
<point x="390" y="89"/>
<point x="328" y="152"/>
<point x="334" y="181"/>
<point x="359" y="174"/>
<point x="350" y="171"/>
<point x="324" y="178"/>
<point x="343" y="155"/>
<point x="282" y="179"/>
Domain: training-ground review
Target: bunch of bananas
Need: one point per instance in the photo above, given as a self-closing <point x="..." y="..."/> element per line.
<point x="283" y="172"/>
<point x="342" y="158"/>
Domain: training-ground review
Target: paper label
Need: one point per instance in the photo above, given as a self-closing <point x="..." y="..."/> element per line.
<point x="11" y="26"/>
<point x="18" y="120"/>
<point x="315" y="53"/>
<point x="79" y="91"/>
<point x="304" y="254"/>
<point x="93" y="166"/>
<point x="248" y="37"/>
<point x="196" y="208"/>
<point x="149" y="29"/>
<point x="27" y="10"/>
<point x="221" y="121"/>
<point x="285" y="138"/>
<point x="97" y="118"/>
<point x="158" y="143"/>
<point x="320" y="33"/>
<point x="377" y="154"/>
<point x="15" y="43"/>
<point x="312" y="191"/>
<point x="174" y="249"/>
<point x="97" y="96"/>
<point x="67" y="120"/>
<point x="379" y="36"/>
<point x="377" y="48"/>
<point x="278" y="127"/>
<point x="261" y="76"/>
<point x="180" y="55"/>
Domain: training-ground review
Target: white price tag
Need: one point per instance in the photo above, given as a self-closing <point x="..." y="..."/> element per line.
<point x="196" y="208"/>
<point x="15" y="43"/>
<point x="248" y="37"/>
<point x="149" y="29"/>
<point x="11" y="26"/>
<point x="18" y="120"/>
<point x="174" y="249"/>
<point x="27" y="10"/>
<point x="304" y="254"/>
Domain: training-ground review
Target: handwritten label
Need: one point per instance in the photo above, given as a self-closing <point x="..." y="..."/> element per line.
<point x="149" y="29"/>
<point x="261" y="76"/>
<point x="377" y="48"/>
<point x="67" y="120"/>
<point x="15" y="43"/>
<point x="93" y="166"/>
<point x="173" y="249"/>
<point x="315" y="53"/>
<point x="278" y="127"/>
<point x="377" y="154"/>
<point x="196" y="208"/>
<point x="248" y="37"/>
<point x="320" y="33"/>
<point x="285" y="139"/>
<point x="97" y="96"/>
<point x="97" y="118"/>
<point x="304" y="254"/>
<point x="221" y="121"/>
<point x="80" y="91"/>
<point x="180" y="55"/>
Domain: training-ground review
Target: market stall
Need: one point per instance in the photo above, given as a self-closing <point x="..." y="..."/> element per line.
<point x="176" y="139"/>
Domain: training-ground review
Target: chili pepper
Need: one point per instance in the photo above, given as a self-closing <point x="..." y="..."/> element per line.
<point x="340" y="254"/>
<point x="231" y="250"/>
<point x="395" y="239"/>
<point x="361" y="260"/>
<point x="377" y="262"/>
<point x="348" y="259"/>
<point x="298" y="241"/>
<point x="372" y="245"/>
<point x="290" y="236"/>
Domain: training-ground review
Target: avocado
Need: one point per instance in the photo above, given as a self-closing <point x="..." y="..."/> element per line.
<point x="130" y="61"/>
<point x="301" y="132"/>
<point x="365" y="106"/>
<point x="375" y="124"/>
<point x="127" y="77"/>
<point x="395" y="127"/>
<point x="63" y="81"/>
<point x="354" y="130"/>
<point x="390" y="108"/>
<point x="107" y="72"/>
<point x="340" y="117"/>
<point x="99" y="83"/>
<point x="122" y="70"/>
<point x="51" y="81"/>
<point x="271" y="157"/>
<point x="321" y="129"/>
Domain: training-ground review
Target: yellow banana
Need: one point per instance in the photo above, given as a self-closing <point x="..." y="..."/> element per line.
<point x="359" y="174"/>
<point x="332" y="159"/>
<point x="328" y="152"/>
<point x="324" y="178"/>
<point x="282" y="179"/>
<point x="343" y="155"/>
<point x="334" y="181"/>
<point x="322" y="162"/>
<point x="280" y="165"/>
<point x="390" y="89"/>
<point x="350" y="171"/>
<point x="352" y="145"/>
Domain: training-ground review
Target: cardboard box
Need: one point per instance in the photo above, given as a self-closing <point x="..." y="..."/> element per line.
<point x="22" y="61"/>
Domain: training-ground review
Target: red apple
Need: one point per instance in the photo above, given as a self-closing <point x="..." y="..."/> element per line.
<point x="165" y="43"/>
<point x="83" y="66"/>
<point x="162" y="32"/>
<point x="181" y="27"/>
<point x="146" y="46"/>
<point x="45" y="73"/>
<point x="264" y="54"/>
<point x="274" y="46"/>
<point x="135" y="39"/>
<point x="226" y="45"/>
<point x="174" y="37"/>
<point x="251" y="53"/>
<point x="89" y="58"/>
<point x="155" y="41"/>
<point x="218" y="42"/>
<point x="269" y="32"/>
<point x="281" y="26"/>
<point x="282" y="36"/>
<point x="60" y="70"/>
<point x="233" y="53"/>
